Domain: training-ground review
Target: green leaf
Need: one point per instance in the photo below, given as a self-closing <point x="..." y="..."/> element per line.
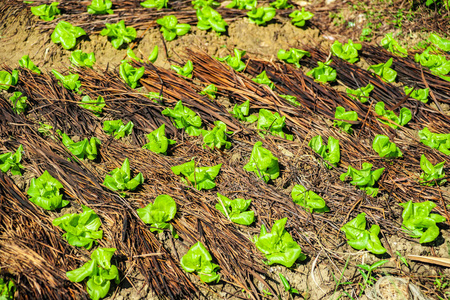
<point x="209" y="18"/>
<point x="19" y="104"/>
<point x="438" y="64"/>
<point x="236" y="210"/>
<point x="291" y="100"/>
<point x="185" y="71"/>
<point x="184" y="117"/>
<point x="96" y="106"/>
<point x="11" y="161"/>
<point x="82" y="149"/>
<point x="81" y="59"/>
<point x="200" y="177"/>
<point x="158" y="4"/>
<point x="66" y="34"/>
<point x="25" y="62"/>
<point x="308" y="199"/>
<point x="120" y="178"/>
<point x="209" y="91"/>
<point x="159" y="213"/>
<point x="348" y="52"/>
<point x="235" y="62"/>
<point x="362" y="94"/>
<point x="280" y="4"/>
<point x="402" y="119"/>
<point x="46" y="12"/>
<point x="217" y="137"/>
<point x="7" y="289"/>
<point x="384" y="71"/>
<point x="117" y="128"/>
<point x="130" y="74"/>
<point x="292" y="56"/>
<point x="439" y="141"/>
<point x="391" y="44"/>
<point x="365" y="178"/>
<point x="243" y="4"/>
<point x="341" y="114"/>
<point x="323" y="73"/>
<point x="273" y="123"/>
<point x="241" y="112"/>
<point x="431" y="173"/>
<point x="263" y="79"/>
<point x="198" y="4"/>
<point x="298" y="18"/>
<point x="330" y="153"/>
<point x="70" y="81"/>
<point x="119" y="33"/>
<point x="171" y="28"/>
<point x="360" y="238"/>
<point x="261" y="15"/>
<point x="419" y="94"/>
<point x="385" y="148"/>
<point x="199" y="260"/>
<point x="8" y="79"/>
<point x="44" y="192"/>
<point x="439" y="42"/>
<point x="157" y="141"/>
<point x="154" y="54"/>
<point x="263" y="163"/>
<point x="100" y="7"/>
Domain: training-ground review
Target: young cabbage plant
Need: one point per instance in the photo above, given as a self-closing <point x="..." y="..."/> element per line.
<point x="385" y="148"/>
<point x="280" y="4"/>
<point x="439" y="141"/>
<point x="419" y="94"/>
<point x="209" y="18"/>
<point x="263" y="79"/>
<point x="44" y="192"/>
<point x="348" y="52"/>
<point x="119" y="34"/>
<point x="330" y="153"/>
<point x="243" y="4"/>
<point x="236" y="210"/>
<point x="263" y="163"/>
<point x="216" y="138"/>
<point x="46" y="12"/>
<point x="340" y="115"/>
<point x="100" y="7"/>
<point x="298" y="18"/>
<point x="438" y="64"/>
<point x="81" y="59"/>
<point x="157" y="140"/>
<point x="359" y="238"/>
<point x="11" y="161"/>
<point x="202" y="178"/>
<point x="235" y="62"/>
<point x="170" y="27"/>
<point x="25" y="62"/>
<point x="120" y="179"/>
<point x="8" y="79"/>
<point x="159" y="213"/>
<point x="81" y="229"/>
<point x="439" y="42"/>
<point x="402" y="119"/>
<point x="323" y="73"/>
<point x="19" y="103"/>
<point x="66" y="34"/>
<point x="96" y="106"/>
<point x="308" y="199"/>
<point x="130" y="74"/>
<point x="158" y="4"/>
<point x="362" y="94"/>
<point x="70" y="81"/>
<point x="384" y="70"/>
<point x="273" y="123"/>
<point x="82" y="149"/>
<point x="431" y="175"/>
<point x="365" y="178"/>
<point x="419" y="222"/>
<point x="278" y="246"/>
<point x="185" y="71"/>
<point x="198" y="4"/>
<point x="292" y="56"/>
<point x="184" y="117"/>
<point x="7" y="289"/>
<point x="199" y="260"/>
<point x="392" y="45"/>
<point x="209" y="91"/>
<point x="117" y="128"/>
<point x="99" y="272"/>
<point x="261" y="15"/>
<point x="291" y="100"/>
<point x="241" y="112"/>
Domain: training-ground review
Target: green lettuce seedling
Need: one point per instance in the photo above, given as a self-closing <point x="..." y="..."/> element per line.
<point x="263" y="163"/>
<point x="432" y="174"/>
<point x="241" y="112"/>
<point x="131" y="55"/>
<point x="209" y="91"/>
<point x="7" y="289"/>
<point x="438" y="64"/>
<point x="330" y="153"/>
<point x="384" y="71"/>
<point x="362" y="94"/>
<point x="120" y="179"/>
<point x="402" y="119"/>
<point x="298" y="18"/>
<point x="278" y="245"/>
<point x="46" y="12"/>
<point x="81" y="229"/>
<point x="359" y="238"/>
<point x="157" y="140"/>
<point x="198" y="4"/>
<point x="153" y="55"/>
<point x="323" y="73"/>
<point x="184" y="117"/>
<point x="417" y="218"/>
<point x="439" y="42"/>
<point x="117" y="128"/>
<point x="280" y="4"/>
<point x="287" y="286"/>
<point x="263" y="79"/>
<point x="235" y="62"/>
<point x="273" y="123"/>
<point x="261" y="15"/>
<point x="44" y="192"/>
<point x="308" y="199"/>
<point x="70" y="81"/>
<point x="158" y="4"/>
<point x="66" y="34"/>
<point x="217" y="137"/>
<point x="341" y="114"/>
<point x="119" y="33"/>
<point x="100" y="7"/>
<point x="170" y="27"/>
<point x="439" y="141"/>
<point x="419" y="94"/>
<point x="11" y="161"/>
<point x="81" y="59"/>
<point x="291" y="100"/>
<point x="209" y="18"/>
<point x="25" y="62"/>
<point x="158" y="213"/>
<point x="19" y="104"/>
<point x="391" y="44"/>
<point x="185" y="71"/>
<point x="236" y="210"/>
<point x="130" y="74"/>
<point x="8" y="79"/>
<point x="243" y="4"/>
<point x="348" y="52"/>
<point x="292" y="56"/>
<point x="199" y="260"/>
<point x="82" y="149"/>
<point x="385" y="148"/>
<point x="365" y="178"/>
<point x="202" y="178"/>
<point x="99" y="272"/>
<point x="96" y="106"/>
